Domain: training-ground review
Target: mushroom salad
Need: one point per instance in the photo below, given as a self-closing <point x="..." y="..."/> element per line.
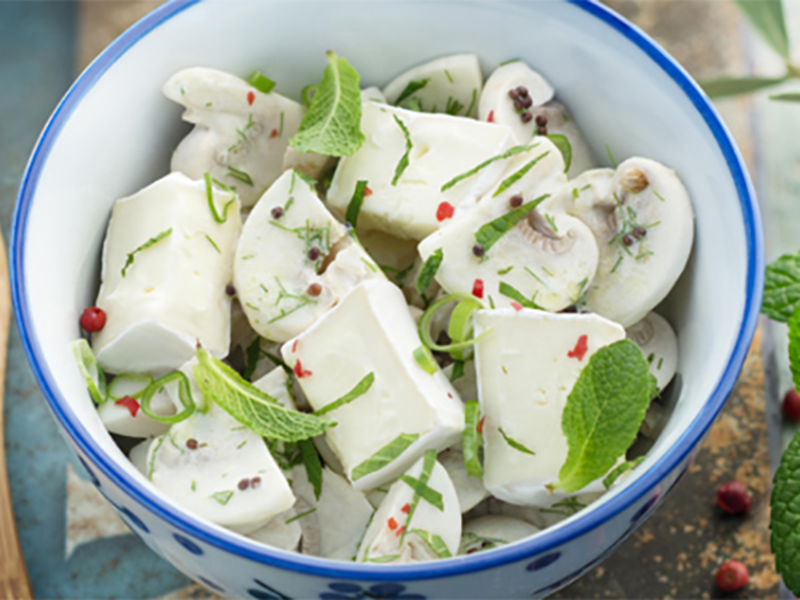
<point x="386" y="326"/>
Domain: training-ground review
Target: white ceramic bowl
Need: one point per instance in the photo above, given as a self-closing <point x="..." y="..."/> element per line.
<point x="113" y="133"/>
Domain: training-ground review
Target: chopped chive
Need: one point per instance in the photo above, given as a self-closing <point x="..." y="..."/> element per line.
<point x="516" y="176"/>
<point x="361" y="388"/>
<point x="611" y="156"/>
<point x="537" y="278"/>
<point x="428" y="271"/>
<point x="616" y="264"/>
<point x="301" y="515"/>
<point x="507" y="154"/>
<point x="492" y="231"/>
<point x="515" y="444"/>
<point x="210" y="197"/>
<point x="280" y="127"/>
<point x="153" y="240"/>
<point x="354" y="207"/>
<point x="509" y="61"/>
<point x="505" y="271"/>
<point x="575" y="193"/>
<point x="404" y="160"/>
<point x="210" y="241"/>
<point x="449" y="76"/>
<point x="510" y="291"/>
<point x="261" y="82"/>
<point x="551" y="221"/>
<point x="472" y="102"/>
<point x="659" y="196"/>
<point x="411" y="89"/>
<point x="424" y="359"/>
<point x="384" y="456"/>
<point x="240" y="446"/>
<point x="239" y="175"/>
<point x="660" y="362"/>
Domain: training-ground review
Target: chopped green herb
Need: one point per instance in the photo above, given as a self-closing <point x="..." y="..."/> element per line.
<point x="472" y="102"/>
<point x="412" y="88"/>
<point x="507" y="154"/>
<point x="567" y="507"/>
<point x="505" y="271"/>
<point x="151" y="467"/>
<point x="575" y="193"/>
<point x="242" y="133"/>
<point x="458" y="370"/>
<point x="283" y="294"/>
<point x="184" y="396"/>
<point x="301" y="515"/>
<point x="222" y="497"/>
<point x="435" y="542"/>
<point x="428" y="463"/>
<point x="492" y="231"/>
<point x="628" y="465"/>
<point x="509" y="61"/>
<point x="472" y="442"/>
<point x="369" y="264"/>
<point x="384" y="456"/>
<point x="551" y="221"/>
<point x="611" y="156"/>
<point x="213" y="243"/>
<point x="515" y="444"/>
<point x="402" y="165"/>
<point x="280" y="126"/>
<point x="491" y="302"/>
<point x="425" y="492"/>
<point x="383" y="559"/>
<point x="616" y="264"/>
<point x="415" y="105"/>
<point x="242" y="445"/>
<point x="354" y="207"/>
<point x="152" y="241"/>
<point x="660" y="362"/>
<point x="194" y="485"/>
<point x="361" y="388"/>
<point x="424" y="359"/>
<point x="91" y="370"/>
<point x="261" y="82"/>
<point x="562" y="143"/>
<point x="517" y="175"/>
<point x="537" y="278"/>
<point x="428" y="271"/>
<point x="453" y="106"/>
<point x="239" y="175"/>
<point x="219" y="218"/>
<point x="449" y="76"/>
<point x="312" y="465"/>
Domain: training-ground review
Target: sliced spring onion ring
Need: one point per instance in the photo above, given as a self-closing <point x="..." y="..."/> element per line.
<point x="460" y="326"/>
<point x="184" y="395"/>
<point x="425" y="360"/>
<point x="428" y="316"/>
<point x="134" y="382"/>
<point x="91" y="371"/>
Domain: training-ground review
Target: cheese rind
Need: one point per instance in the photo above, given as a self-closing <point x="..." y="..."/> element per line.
<point x="172" y="295"/>
<point x="371" y="331"/>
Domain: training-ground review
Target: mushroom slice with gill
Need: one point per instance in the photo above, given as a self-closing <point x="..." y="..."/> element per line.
<point x="419" y="520"/>
<point x="469" y="489"/>
<point x="451" y="85"/>
<point x="407" y="160"/>
<point x="508" y="251"/>
<point x="492" y="531"/>
<point x="555" y="119"/>
<point x="641" y="215"/>
<point x="166" y="262"/>
<point x="523" y="387"/>
<point x="240" y="134"/>
<point x="294" y="261"/>
<point x="357" y="364"/>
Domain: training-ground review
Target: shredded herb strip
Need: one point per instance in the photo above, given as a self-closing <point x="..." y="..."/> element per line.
<point x="184" y="395"/>
<point x="426" y="492"/>
<point x="361" y="388"/>
<point x="354" y="207"/>
<point x="459" y="328"/>
<point x="507" y="154"/>
<point x="425" y="360"/>
<point x="151" y="467"/>
<point x="301" y="515"/>
<point x="624" y="467"/>
<point x="492" y="231"/>
<point x="261" y="82"/>
<point x="472" y="442"/>
<point x="222" y="497"/>
<point x="517" y="175"/>
<point x="611" y="156"/>
<point x="91" y="370"/>
<point x="472" y="102"/>
<point x="404" y="160"/>
<point x="515" y="444"/>
<point x="412" y="88"/>
<point x="219" y="218"/>
<point x="458" y="370"/>
<point x="312" y="465"/>
<point x="435" y="542"/>
<point x="428" y="463"/>
<point x="426" y="320"/>
<point x="428" y="271"/>
<point x="384" y="456"/>
<point x="250" y="406"/>
<point x="510" y="291"/>
<point x="239" y="175"/>
<point x="213" y="244"/>
<point x="562" y="143"/>
<point x="151" y="242"/>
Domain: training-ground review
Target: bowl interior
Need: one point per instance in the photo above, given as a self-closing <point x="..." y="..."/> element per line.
<point x="115" y="134"/>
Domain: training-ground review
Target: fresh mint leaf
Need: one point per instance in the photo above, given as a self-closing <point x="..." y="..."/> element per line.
<point x="435" y="542"/>
<point x="312" y="465"/>
<point x="603" y="413"/>
<point x="492" y="231"/>
<point x="332" y="125"/>
<point x="782" y="288"/>
<point x="428" y="271"/>
<point x="385" y="455"/>
<point x="354" y="207"/>
<point x="412" y="88"/>
<point x="785" y="517"/>
<point x="562" y="143"/>
<point x="733" y="86"/>
<point x="515" y="444"/>
<point x="151" y="242"/>
<point x="250" y="406"/>
<point x="767" y="18"/>
<point x="507" y="154"/>
<point x="402" y="165"/>
<point x="361" y="388"/>
<point x="473" y="438"/>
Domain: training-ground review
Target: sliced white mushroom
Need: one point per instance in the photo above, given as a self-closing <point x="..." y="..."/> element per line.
<point x="451" y="84"/>
<point x="497" y="105"/>
<point x="408" y="201"/>
<point x="370" y="332"/>
<point x="240" y="134"/>
<point x="128" y="419"/>
<point x="546" y="259"/>
<point x="166" y="263"/>
<point x="523" y="387"/>
<point x="336" y="521"/>
<point x="399" y="535"/>
<point x="283" y="532"/>
<point x="493" y="531"/>
<point x="203" y="464"/>
<point x="294" y="261"/>
<point x="557" y="120"/>
<point x="138" y="456"/>
<point x="659" y="344"/>
<point x="469" y="489"/>
<point x="641" y="215"/>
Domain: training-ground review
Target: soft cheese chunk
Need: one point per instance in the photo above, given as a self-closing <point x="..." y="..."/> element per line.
<point x="371" y="331"/>
<point x="546" y="258"/>
<point x="469" y="489"/>
<point x="451" y="85"/>
<point x="206" y="480"/>
<point x="441" y="148"/>
<point x="130" y="420"/>
<point x="240" y="134"/>
<point x="385" y="541"/>
<point x="166" y="263"/>
<point x="292" y="266"/>
<point x="527" y="365"/>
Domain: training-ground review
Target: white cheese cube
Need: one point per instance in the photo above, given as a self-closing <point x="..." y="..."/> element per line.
<point x="442" y="147"/>
<point x="371" y="331"/>
<point x="527" y="365"/>
<point x="240" y="134"/>
<point x="294" y="261"/>
<point x="164" y="297"/>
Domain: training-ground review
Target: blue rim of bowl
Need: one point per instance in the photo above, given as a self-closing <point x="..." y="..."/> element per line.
<point x="545" y="542"/>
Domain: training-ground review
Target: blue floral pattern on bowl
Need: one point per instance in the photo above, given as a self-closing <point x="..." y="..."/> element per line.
<point x="353" y="591"/>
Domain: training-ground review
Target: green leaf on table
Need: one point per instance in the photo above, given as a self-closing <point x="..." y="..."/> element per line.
<point x="250" y="406"/>
<point x="785" y="517"/>
<point x="766" y="16"/>
<point x="782" y="288"/>
<point x="603" y="413"/>
<point x="788" y="97"/>
<point x="332" y="125"/>
<point x="733" y="86"/>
